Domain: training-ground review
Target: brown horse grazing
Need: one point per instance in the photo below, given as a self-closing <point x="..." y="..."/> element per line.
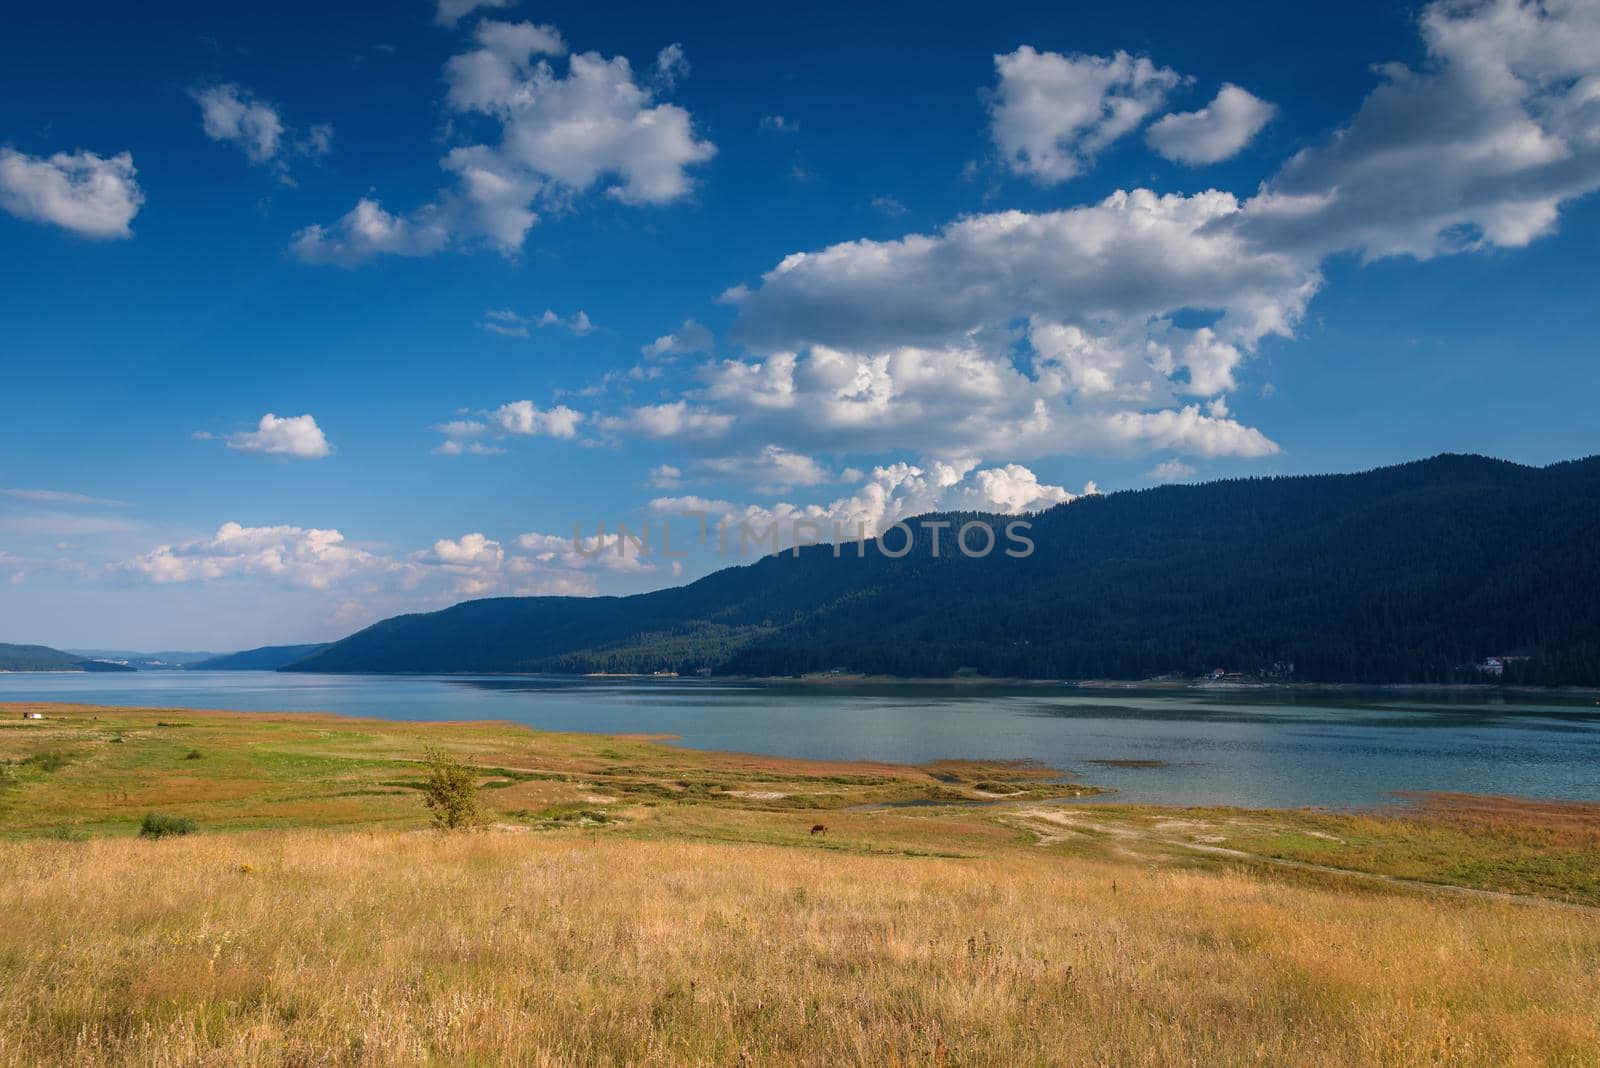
<point x="818" y="829"/>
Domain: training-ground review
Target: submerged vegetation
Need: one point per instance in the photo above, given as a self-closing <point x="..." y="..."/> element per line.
<point x="633" y="902"/>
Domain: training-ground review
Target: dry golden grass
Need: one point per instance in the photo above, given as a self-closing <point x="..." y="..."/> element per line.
<point x="639" y="903"/>
<point x="392" y="947"/>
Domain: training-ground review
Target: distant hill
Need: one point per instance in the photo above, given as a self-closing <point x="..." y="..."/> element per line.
<point x="266" y="658"/>
<point x="1413" y="573"/>
<point x="166" y="661"/>
<point x="44" y="658"/>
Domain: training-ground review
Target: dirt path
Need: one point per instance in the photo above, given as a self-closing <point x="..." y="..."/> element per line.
<point x="1031" y="818"/>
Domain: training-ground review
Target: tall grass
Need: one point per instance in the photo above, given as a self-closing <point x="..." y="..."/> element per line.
<point x="412" y="947"/>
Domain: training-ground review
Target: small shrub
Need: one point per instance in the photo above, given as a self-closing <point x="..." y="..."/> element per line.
<point x="570" y="815"/>
<point x="451" y="792"/>
<point x="64" y="834"/>
<point x="161" y="825"/>
<point x="50" y="760"/>
<point x="193" y="754"/>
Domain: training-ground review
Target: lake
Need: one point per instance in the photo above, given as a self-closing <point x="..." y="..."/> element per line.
<point x="1261" y="749"/>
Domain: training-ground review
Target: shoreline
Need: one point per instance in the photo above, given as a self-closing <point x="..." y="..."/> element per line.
<point x="1073" y="788"/>
<point x="90" y="771"/>
<point x="823" y="679"/>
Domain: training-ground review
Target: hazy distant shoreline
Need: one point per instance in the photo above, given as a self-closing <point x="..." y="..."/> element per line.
<point x="1159" y="685"/>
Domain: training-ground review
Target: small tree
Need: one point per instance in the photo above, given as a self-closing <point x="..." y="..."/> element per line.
<point x="451" y="791"/>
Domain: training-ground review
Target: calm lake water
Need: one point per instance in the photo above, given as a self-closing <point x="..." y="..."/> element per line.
<point x="1266" y="750"/>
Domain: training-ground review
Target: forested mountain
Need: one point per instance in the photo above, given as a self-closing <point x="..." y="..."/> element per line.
<point x="266" y="658"/>
<point x="44" y="658"/>
<point x="1412" y="573"/>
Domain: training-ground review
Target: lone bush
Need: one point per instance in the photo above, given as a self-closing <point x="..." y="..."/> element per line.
<point x="161" y="825"/>
<point x="451" y="792"/>
<point x="50" y="760"/>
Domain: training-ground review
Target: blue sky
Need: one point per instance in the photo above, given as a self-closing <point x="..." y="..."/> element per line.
<point x="845" y="263"/>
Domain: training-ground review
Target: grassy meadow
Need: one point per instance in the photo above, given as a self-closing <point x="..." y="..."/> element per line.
<point x="627" y="901"/>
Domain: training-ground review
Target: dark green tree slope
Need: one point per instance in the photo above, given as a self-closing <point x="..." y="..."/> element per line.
<point x="266" y="658"/>
<point x="1404" y="574"/>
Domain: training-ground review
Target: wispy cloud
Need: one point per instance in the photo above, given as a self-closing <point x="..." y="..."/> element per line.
<point x="46" y="496"/>
<point x="233" y="114"/>
<point x="510" y="323"/>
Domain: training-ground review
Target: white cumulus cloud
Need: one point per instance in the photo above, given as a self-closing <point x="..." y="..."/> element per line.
<point x="479" y="433"/>
<point x="771" y="469"/>
<point x="525" y="418"/>
<point x="674" y="419"/>
<point x="1051" y="114"/>
<point x="296" y="436"/>
<point x="93" y="196"/>
<point x="890" y="494"/>
<point x="561" y="135"/>
<point x="473" y="549"/>
<point x="301" y="556"/>
<point x="367" y="230"/>
<point x="1216" y="132"/>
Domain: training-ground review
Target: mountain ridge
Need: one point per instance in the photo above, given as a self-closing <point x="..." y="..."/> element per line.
<point x="1408" y="573"/>
<point x="263" y="658"/>
<point x="33" y="658"/>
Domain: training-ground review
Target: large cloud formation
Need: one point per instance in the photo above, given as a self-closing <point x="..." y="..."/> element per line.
<point x="915" y="342"/>
<point x="1121" y="326"/>
<point x="1478" y="149"/>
